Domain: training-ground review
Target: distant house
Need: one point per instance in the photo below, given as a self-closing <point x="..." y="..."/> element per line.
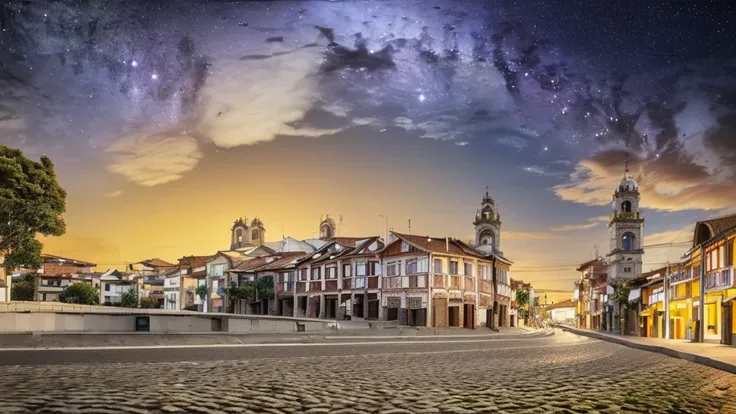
<point x="56" y="273"/>
<point x="563" y="312"/>
<point x="193" y="271"/>
<point x="151" y="268"/>
<point x="113" y="284"/>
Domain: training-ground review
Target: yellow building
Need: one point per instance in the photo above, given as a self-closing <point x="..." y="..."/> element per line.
<point x="713" y="249"/>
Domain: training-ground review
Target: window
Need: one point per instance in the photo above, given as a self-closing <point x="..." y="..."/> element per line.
<point x="315" y="273"/>
<point x="239" y="235"/>
<point x="331" y="273"/>
<point x="728" y="261"/>
<point x="391" y="269"/>
<point x="468" y="269"/>
<point x="438" y="266"/>
<point x="360" y="269"/>
<point x="627" y="241"/>
<point x="303" y="274"/>
<point x="627" y="269"/>
<point x="484" y="272"/>
<point x="374" y="269"/>
<point x="107" y="287"/>
<point x="411" y="267"/>
<point x="453" y="267"/>
<point x="255" y="234"/>
<point x="346" y="270"/>
<point x="404" y="246"/>
<point x="626" y="206"/>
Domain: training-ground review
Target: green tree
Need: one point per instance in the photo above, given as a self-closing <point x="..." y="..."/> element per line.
<point x="247" y="291"/>
<point x="522" y="301"/>
<point x="129" y="299"/>
<point x="24" y="289"/>
<point x="621" y="290"/>
<point x="264" y="287"/>
<point x="149" y="303"/>
<point x="31" y="203"/>
<point x="82" y="293"/>
<point x="202" y="292"/>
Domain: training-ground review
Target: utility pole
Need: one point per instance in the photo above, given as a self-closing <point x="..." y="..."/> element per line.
<point x="666" y="302"/>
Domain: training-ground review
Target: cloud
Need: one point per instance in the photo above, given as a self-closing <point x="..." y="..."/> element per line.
<point x="671" y="182"/>
<point x="520" y="235"/>
<point x="255" y="98"/>
<point x="114" y="194"/>
<point x="151" y="160"/>
<point x="575" y="227"/>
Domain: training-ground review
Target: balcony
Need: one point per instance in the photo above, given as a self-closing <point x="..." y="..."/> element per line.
<point x="315" y="286"/>
<point x="655" y="298"/>
<point x="455" y="282"/>
<point x="486" y="286"/>
<point x="718" y="280"/>
<point x="347" y="284"/>
<point x="287" y="287"/>
<point x="469" y="283"/>
<point x="405" y="282"/>
<point x="440" y="281"/>
<point x="372" y="282"/>
<point x="625" y="215"/>
<point x="331" y="285"/>
<point x="301" y="287"/>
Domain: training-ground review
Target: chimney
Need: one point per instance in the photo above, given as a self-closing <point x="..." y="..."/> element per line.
<point x="447" y="244"/>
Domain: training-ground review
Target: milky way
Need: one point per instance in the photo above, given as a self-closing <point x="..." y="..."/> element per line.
<point x="149" y="84"/>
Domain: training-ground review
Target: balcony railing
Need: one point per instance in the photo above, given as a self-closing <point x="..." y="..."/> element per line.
<point x="372" y="282"/>
<point x="331" y="285"/>
<point x="486" y="286"/>
<point x="720" y="279"/>
<point x="440" y="281"/>
<point x="625" y="215"/>
<point x="301" y="287"/>
<point x="347" y="284"/>
<point x="454" y="282"/>
<point x="405" y="282"/>
<point x="681" y="276"/>
<point x="286" y="287"/>
<point x="469" y="283"/>
<point x="315" y="286"/>
<point x="656" y="298"/>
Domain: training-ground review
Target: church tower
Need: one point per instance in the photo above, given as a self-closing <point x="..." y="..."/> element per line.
<point x="327" y="228"/>
<point x="626" y="228"/>
<point x="488" y="226"/>
<point x="239" y="237"/>
<point x="257" y="232"/>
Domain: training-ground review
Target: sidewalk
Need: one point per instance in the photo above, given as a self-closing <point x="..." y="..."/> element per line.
<point x="717" y="356"/>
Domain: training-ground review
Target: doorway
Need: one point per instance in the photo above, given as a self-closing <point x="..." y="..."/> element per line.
<point x="469" y="316"/>
<point x="453" y="316"/>
<point x="417" y="317"/>
<point x="727" y="323"/>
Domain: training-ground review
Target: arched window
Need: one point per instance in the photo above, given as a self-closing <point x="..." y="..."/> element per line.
<point x="255" y="235"/>
<point x="326" y="232"/>
<point x="239" y="235"/>
<point x="626" y="206"/>
<point x="487" y="213"/>
<point x="627" y="241"/>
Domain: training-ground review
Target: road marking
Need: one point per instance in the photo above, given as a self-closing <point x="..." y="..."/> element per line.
<point x="270" y="345"/>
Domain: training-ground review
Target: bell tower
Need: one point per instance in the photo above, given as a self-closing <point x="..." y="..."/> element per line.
<point x="257" y="232"/>
<point x="327" y="228"/>
<point x="626" y="229"/>
<point x="488" y="226"/>
<point x="239" y="235"/>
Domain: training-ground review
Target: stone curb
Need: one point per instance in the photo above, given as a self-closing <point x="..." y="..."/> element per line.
<point x="698" y="359"/>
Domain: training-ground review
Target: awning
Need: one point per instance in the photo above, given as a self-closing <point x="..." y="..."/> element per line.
<point x="634" y="294"/>
<point x="647" y="312"/>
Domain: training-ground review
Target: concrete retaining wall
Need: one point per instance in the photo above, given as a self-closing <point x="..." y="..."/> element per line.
<point x="25" y="317"/>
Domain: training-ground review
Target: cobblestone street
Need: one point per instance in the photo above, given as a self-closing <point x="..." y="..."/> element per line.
<point x="560" y="373"/>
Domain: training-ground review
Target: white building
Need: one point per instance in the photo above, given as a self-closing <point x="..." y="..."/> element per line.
<point x="172" y="290"/>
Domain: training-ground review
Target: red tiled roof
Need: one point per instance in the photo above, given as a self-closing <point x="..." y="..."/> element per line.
<point x="565" y="304"/>
<point x="194" y="261"/>
<point x="433" y="244"/>
<point x="156" y="262"/>
<point x="590" y="263"/>
<point x="360" y="250"/>
<point x="271" y="262"/>
<point x="50" y="258"/>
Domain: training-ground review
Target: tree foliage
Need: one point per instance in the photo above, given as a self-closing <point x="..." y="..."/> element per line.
<point x="522" y="301"/>
<point x="202" y="291"/>
<point x="129" y="299"/>
<point x="31" y="203"/>
<point x="149" y="303"/>
<point x="82" y="293"/>
<point x="24" y="289"/>
<point x="264" y="286"/>
<point x="246" y="292"/>
<point x="621" y="292"/>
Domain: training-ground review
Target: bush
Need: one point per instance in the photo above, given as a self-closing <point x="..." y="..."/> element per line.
<point x="149" y="303"/>
<point x="81" y="293"/>
<point x="129" y="299"/>
<point x="24" y="289"/>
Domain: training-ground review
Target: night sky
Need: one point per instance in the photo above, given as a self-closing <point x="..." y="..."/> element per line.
<point x="169" y="119"/>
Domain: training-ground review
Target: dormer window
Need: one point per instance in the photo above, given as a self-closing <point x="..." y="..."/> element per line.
<point x="404" y="247"/>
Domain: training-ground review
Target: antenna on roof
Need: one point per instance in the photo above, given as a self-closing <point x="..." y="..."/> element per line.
<point x="409" y="226"/>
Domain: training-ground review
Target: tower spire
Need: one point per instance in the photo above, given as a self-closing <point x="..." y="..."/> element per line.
<point x="626" y="165"/>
